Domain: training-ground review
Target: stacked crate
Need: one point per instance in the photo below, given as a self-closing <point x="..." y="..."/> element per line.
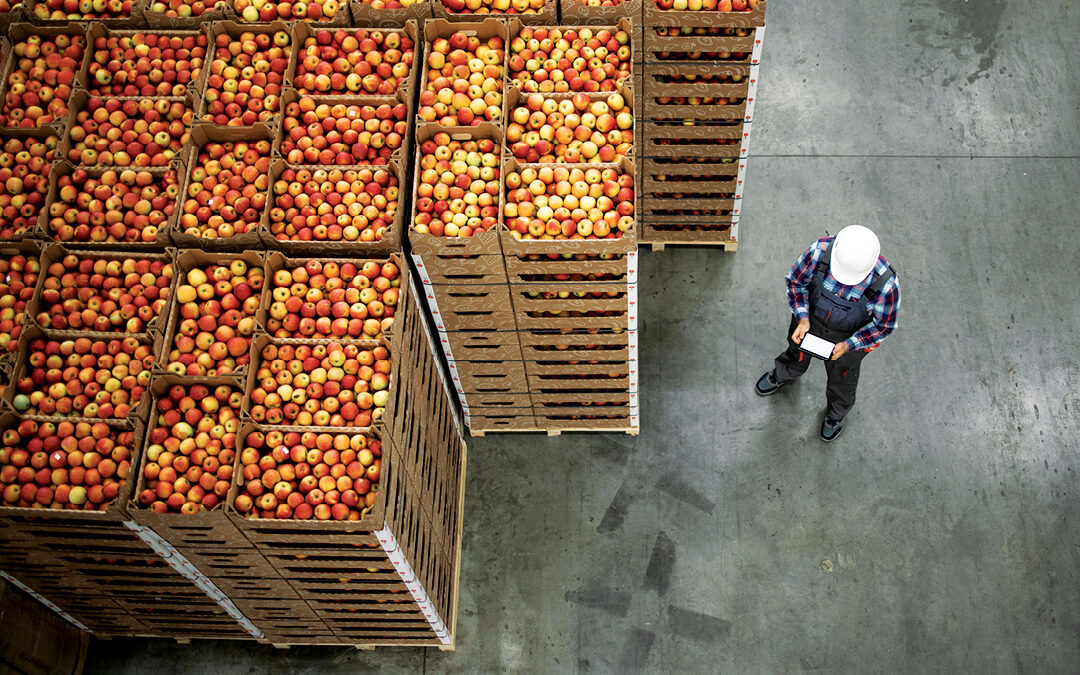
<point x="698" y="84"/>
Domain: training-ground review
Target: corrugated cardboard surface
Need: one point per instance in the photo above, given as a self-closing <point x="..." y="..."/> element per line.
<point x="657" y="42"/>
<point x="654" y="16"/>
<point x="577" y="13"/>
<point x="366" y="16"/>
<point x="547" y="15"/>
<point x="35" y="640"/>
<point x="461" y="269"/>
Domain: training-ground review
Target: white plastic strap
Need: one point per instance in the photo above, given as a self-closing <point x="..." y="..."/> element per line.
<point x="759" y="39"/>
<point x="744" y="149"/>
<point x="736" y="206"/>
<point x="631" y="307"/>
<point x="43" y="600"/>
<point x="422" y="271"/>
<point x="632" y="267"/>
<point x="404" y="570"/>
<point x="751" y="94"/>
<point x="740" y="179"/>
<point x="182" y="565"/>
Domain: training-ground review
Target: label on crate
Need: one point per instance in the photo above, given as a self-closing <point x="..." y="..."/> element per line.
<point x="744" y="149"/>
<point x="43" y="600"/>
<point x="401" y="565"/>
<point x="176" y="560"/>
<point x="759" y="38"/>
<point x="631" y="267"/>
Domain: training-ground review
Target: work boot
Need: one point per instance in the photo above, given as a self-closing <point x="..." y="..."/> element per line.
<point x="767" y="384"/>
<point x="831" y="428"/>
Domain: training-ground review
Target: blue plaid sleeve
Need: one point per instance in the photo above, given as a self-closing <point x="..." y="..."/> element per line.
<point x="800" y="276"/>
<point x="885" y="310"/>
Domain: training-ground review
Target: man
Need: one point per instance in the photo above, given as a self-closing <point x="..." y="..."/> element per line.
<point x="841" y="290"/>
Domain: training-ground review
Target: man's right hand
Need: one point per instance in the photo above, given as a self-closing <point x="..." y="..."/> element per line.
<point x="800" y="331"/>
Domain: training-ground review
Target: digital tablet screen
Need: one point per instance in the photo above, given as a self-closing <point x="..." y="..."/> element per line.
<point x="817" y="346"/>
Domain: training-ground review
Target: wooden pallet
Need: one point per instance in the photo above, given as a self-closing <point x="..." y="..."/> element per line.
<point x="730" y="245"/>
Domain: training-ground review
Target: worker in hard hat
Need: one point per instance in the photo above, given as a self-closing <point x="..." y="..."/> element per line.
<point x="841" y="290"/>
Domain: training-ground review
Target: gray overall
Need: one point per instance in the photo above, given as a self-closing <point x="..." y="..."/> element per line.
<point x="834" y="319"/>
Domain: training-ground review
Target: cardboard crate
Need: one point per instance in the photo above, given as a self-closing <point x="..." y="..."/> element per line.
<point x="547" y="15"/>
<point x="482" y="423"/>
<point x="654" y="80"/>
<point x="342" y="18"/>
<point x="468" y="307"/>
<point x="515" y="98"/>
<point x="100" y="30"/>
<point x="621" y="19"/>
<point x="608" y="268"/>
<point x="366" y="16"/>
<point x="582" y="13"/>
<point x="696" y="141"/>
<point x="427" y="246"/>
<point x="715" y="232"/>
<point x="608" y="367"/>
<point x="654" y="16"/>
<point x="215" y="12"/>
<point x="54" y="253"/>
<point x="483" y="27"/>
<point x="34" y="229"/>
<point x="391" y="237"/>
<point x="276" y="261"/>
<point x="700" y="44"/>
<point x="451" y="268"/>
<point x="490" y="377"/>
<point x="599" y="383"/>
<point x="16" y="14"/>
<point x="38" y="13"/>
<point x="529" y="299"/>
<point x="728" y="167"/>
<point x="19" y="32"/>
<point x="159" y="242"/>
<point x="691" y="211"/>
<point x="31" y="250"/>
<point x="185" y="261"/>
<point x="303" y="31"/>
<point x="491" y="345"/>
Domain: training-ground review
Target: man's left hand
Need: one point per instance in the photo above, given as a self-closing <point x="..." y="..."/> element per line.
<point x="839" y="350"/>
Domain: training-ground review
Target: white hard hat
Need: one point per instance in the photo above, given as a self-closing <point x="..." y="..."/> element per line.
<point x="855" y="252"/>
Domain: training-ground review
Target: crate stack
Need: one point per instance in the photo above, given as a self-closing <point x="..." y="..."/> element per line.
<point x="195" y="414"/>
<point x="698" y="84"/>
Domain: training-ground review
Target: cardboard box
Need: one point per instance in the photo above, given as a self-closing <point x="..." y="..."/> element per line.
<point x="19" y="32"/>
<point x="579" y="13"/>
<point x="700" y="44"/>
<point x="467" y="307"/>
<point x="547" y="15"/>
<point x="400" y="98"/>
<point x="611" y="268"/>
<point x="133" y="19"/>
<point x="159" y="242"/>
<point x="512" y="245"/>
<point x="500" y="422"/>
<point x="699" y="231"/>
<point x="530" y="299"/>
<point x="654" y="80"/>
<point x="607" y="367"/>
<point x="450" y="268"/>
<point x="487" y="243"/>
<point x="490" y="377"/>
<point x="483" y="27"/>
<point x="701" y="140"/>
<point x="654" y="16"/>
<point x="341" y="18"/>
<point x="480" y="345"/>
<point x="703" y="166"/>
<point x="391" y="237"/>
<point x="100" y="30"/>
<point x="214" y="13"/>
<point x="687" y="211"/>
<point x="303" y="31"/>
<point x="364" y="15"/>
<point x="621" y="19"/>
<point x="31" y="250"/>
<point x="600" y="384"/>
<point x="35" y="640"/>
<point x="35" y="228"/>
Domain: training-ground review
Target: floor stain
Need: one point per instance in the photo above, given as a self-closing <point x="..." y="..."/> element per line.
<point x="697" y="626"/>
<point x="661" y="565"/>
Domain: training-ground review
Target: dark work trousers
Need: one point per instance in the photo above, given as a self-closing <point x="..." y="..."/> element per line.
<point x="843" y="373"/>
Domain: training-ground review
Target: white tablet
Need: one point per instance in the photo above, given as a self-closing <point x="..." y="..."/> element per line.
<point x="816" y="346"/>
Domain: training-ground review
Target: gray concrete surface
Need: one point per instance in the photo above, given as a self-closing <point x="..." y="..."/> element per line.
<point x="940" y="533"/>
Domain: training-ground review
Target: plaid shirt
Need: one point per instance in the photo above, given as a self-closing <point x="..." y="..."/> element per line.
<point x="883" y="309"/>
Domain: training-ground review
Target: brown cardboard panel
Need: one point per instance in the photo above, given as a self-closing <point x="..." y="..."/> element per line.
<point x="704" y="132"/>
<point x="689" y="234"/>
<point x="481" y="345"/>
<point x="495" y="377"/>
<point x="706" y="166"/>
<point x="254" y="589"/>
<point x="468" y="298"/>
<point x="668" y="186"/>
<point x="501" y="318"/>
<point x="427" y="245"/>
<point x="700" y="210"/>
<point x="526" y="322"/>
<point x="508" y="422"/>
<point x="572" y="341"/>
<point x="536" y="269"/>
<point x="548" y="15"/>
<point x="461" y="269"/>
<point x="598" y="383"/>
<point x="690" y="40"/>
<point x="655" y="80"/>
<point x="239" y="563"/>
<point x="480" y="404"/>
<point x="578" y="13"/>
<point x="695" y="141"/>
<point x="578" y="422"/>
<point x="653" y="110"/>
<point x="365" y="15"/>
<point x="545" y="402"/>
<point x="608" y="368"/>
<point x="35" y="640"/>
<point x="654" y="16"/>
<point x="567" y="353"/>
<point x="564" y="297"/>
<point x="687" y="201"/>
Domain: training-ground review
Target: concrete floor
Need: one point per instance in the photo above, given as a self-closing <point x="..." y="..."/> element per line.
<point x="941" y="533"/>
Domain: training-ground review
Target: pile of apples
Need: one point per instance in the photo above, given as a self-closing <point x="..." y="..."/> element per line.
<point x="24" y="182"/>
<point x="494" y="6"/>
<point x="246" y="78"/>
<point x="226" y="190"/>
<point x="217" y="307"/>
<point x="145" y="64"/>
<point x="354" y="61"/>
<point x="464" y="80"/>
<point x="76" y="10"/>
<point x="457" y="191"/>
<point x="144" y="133"/>
<point x="560" y="60"/>
<point x="118" y="206"/>
<point x="83" y="377"/>
<point x="333" y="204"/>
<point x="42" y="76"/>
<point x="568" y="203"/>
<point x="331" y="300"/>
<point x="18" y="279"/>
<point x="579" y="129"/>
<point x="340" y="134"/>
<point x="104" y="294"/>
<point x="707" y="5"/>
<point x="184" y="9"/>
<point x="323" y="385"/>
<point x="63" y="465"/>
<point x="391" y="4"/>
<point x="191" y="449"/>
<point x="253" y="11"/>
<point x="308" y="475"/>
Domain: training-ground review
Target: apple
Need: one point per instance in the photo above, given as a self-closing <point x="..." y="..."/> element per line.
<point x="579" y="129"/>
<point x="128" y="205"/>
<point x="324" y="385"/>
<point x="83" y="377"/>
<point x="216" y="307"/>
<point x="333" y="204"/>
<point x="146" y="64"/>
<point x="185" y="9"/>
<point x="559" y="202"/>
<point x="340" y="134"/>
<point x="463" y="82"/>
<point x="334" y="300"/>
<point x="42" y="76"/>
<point x="354" y="61"/>
<point x="226" y="190"/>
<point x="24" y="181"/>
<point x="86" y="292"/>
<point x="303" y="475"/>
<point x="18" y="279"/>
<point x="83" y="464"/>
<point x="64" y="10"/>
<point x="457" y="187"/>
<point x="246" y="78"/>
<point x="191" y="448"/>
<point x="561" y="60"/>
